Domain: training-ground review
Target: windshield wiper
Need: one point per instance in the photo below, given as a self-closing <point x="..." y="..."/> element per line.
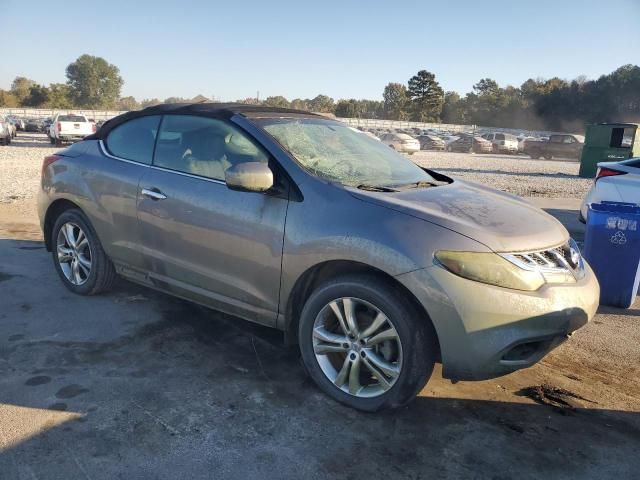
<point x="375" y="188"/>
<point x="421" y="184"/>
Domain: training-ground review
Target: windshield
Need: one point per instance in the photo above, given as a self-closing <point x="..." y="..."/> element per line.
<point x="334" y="151"/>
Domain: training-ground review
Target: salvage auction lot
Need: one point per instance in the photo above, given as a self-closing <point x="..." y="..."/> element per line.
<point x="136" y="383"/>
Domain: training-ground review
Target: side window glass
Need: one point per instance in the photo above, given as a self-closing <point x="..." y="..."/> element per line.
<point x="499" y="136"/>
<point x="134" y="139"/>
<point x="203" y="146"/>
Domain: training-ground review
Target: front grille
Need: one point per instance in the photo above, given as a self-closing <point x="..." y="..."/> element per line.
<point x="563" y="258"/>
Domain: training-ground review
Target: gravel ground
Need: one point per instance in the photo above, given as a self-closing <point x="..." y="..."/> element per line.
<point x="511" y="173"/>
<point x="23" y="159"/>
<point x="514" y="174"/>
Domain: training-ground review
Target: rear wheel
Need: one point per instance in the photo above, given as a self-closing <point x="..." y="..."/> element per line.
<point x="78" y="256"/>
<point x="364" y="344"/>
<point x="548" y="156"/>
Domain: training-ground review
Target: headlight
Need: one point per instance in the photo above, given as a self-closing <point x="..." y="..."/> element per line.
<point x="490" y="268"/>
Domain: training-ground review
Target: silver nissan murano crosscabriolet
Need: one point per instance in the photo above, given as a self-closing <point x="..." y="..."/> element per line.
<point x="376" y="268"/>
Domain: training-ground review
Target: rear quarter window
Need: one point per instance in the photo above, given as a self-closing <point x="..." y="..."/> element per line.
<point x="72" y="118"/>
<point x="134" y="140"/>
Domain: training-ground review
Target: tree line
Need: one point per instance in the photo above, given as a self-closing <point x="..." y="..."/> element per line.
<point x="553" y="104"/>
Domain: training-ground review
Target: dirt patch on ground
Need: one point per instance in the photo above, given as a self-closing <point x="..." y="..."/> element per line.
<point x="19" y="221"/>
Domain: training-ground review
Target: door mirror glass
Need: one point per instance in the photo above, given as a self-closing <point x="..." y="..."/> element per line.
<point x="249" y="177"/>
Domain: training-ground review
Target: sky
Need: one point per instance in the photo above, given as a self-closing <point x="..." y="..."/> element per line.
<point x="345" y="49"/>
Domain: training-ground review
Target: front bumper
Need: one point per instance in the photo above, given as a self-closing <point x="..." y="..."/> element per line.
<point x="408" y="148"/>
<point x="486" y="331"/>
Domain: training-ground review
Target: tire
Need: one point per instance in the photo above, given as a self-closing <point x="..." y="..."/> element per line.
<point x="534" y="155"/>
<point x="415" y="343"/>
<point x="101" y="272"/>
<point x="548" y="157"/>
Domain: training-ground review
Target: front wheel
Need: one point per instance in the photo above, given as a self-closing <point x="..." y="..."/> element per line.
<point x="364" y="344"/>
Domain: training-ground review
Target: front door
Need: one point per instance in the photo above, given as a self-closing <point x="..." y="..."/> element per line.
<point x="201" y="240"/>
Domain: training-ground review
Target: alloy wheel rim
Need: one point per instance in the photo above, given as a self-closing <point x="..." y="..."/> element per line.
<point x="357" y="347"/>
<point x="74" y="253"/>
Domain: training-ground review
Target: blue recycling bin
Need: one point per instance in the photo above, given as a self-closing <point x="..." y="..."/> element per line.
<point x="612" y="248"/>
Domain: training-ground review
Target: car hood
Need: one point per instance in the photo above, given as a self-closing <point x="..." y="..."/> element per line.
<point x="502" y="222"/>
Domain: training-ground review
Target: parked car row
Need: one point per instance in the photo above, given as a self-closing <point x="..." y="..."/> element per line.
<point x="60" y="129"/>
<point x="445" y="140"/>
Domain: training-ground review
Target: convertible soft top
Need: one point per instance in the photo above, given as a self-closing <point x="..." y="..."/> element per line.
<point x="225" y="110"/>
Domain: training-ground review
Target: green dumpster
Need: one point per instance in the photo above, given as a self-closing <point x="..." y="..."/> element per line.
<point x="608" y="142"/>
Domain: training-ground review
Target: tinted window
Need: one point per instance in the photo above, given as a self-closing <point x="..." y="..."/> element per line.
<point x="203" y="146"/>
<point x="499" y="136"/>
<point x="71" y="118"/>
<point x="556" y="139"/>
<point x="634" y="164"/>
<point x="134" y="139"/>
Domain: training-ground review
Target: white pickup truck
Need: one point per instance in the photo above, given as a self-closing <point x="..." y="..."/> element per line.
<point x="70" y="128"/>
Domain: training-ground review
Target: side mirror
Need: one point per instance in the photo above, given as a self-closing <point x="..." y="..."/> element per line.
<point x="249" y="177"/>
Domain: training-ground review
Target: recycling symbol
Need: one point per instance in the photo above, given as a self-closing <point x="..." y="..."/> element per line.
<point x="619" y="238"/>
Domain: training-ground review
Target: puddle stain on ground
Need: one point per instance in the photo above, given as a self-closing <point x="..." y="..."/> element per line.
<point x="38" y="380"/>
<point x="71" y="391"/>
<point x="6" y="276"/>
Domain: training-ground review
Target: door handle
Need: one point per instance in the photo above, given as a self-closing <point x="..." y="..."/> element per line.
<point x="153" y="194"/>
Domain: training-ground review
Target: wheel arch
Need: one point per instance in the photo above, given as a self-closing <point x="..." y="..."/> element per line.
<point x="57" y="208"/>
<point x="320" y="273"/>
